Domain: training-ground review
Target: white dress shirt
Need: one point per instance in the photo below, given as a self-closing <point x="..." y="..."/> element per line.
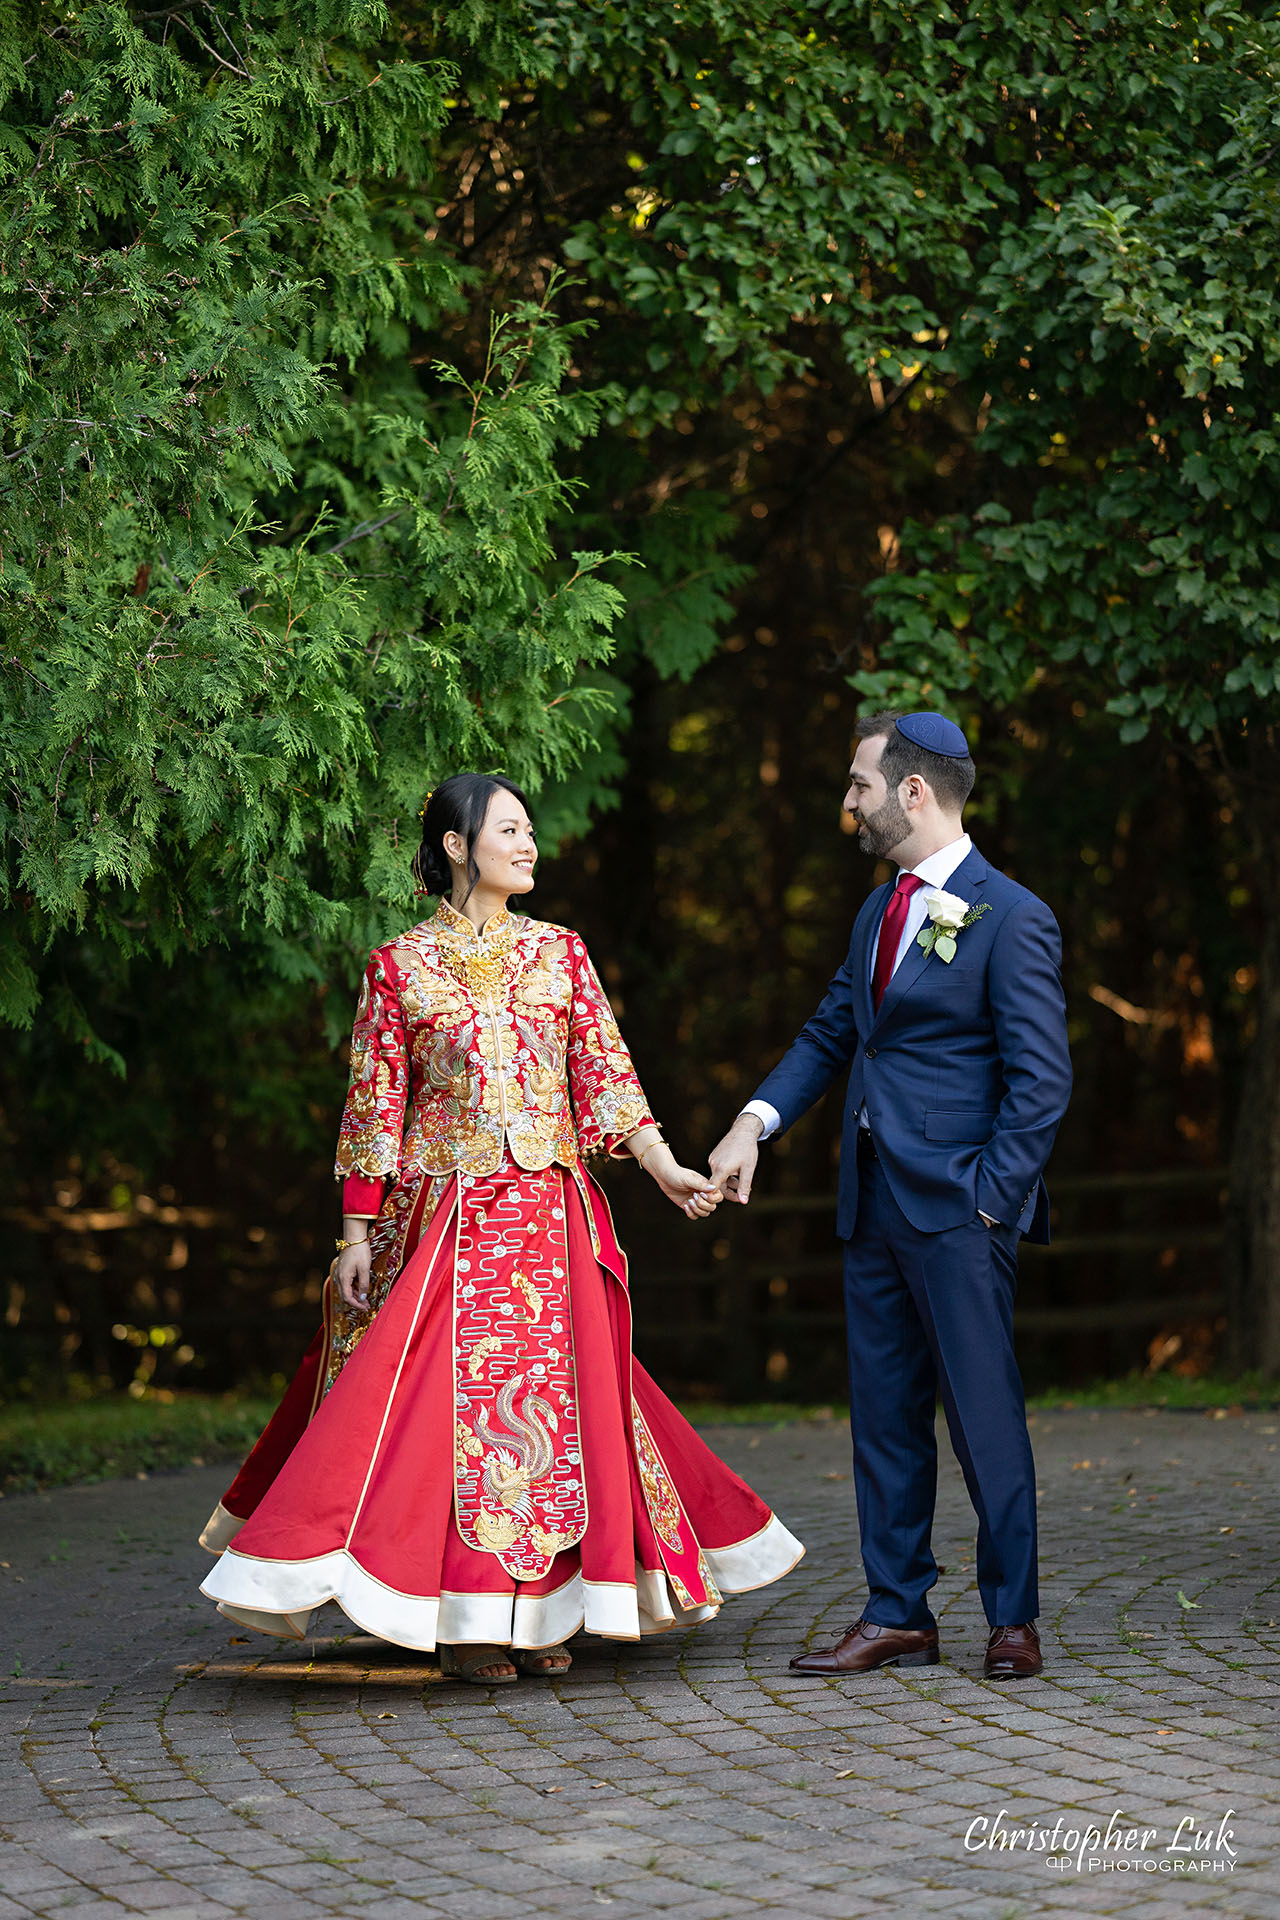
<point x="934" y="872"/>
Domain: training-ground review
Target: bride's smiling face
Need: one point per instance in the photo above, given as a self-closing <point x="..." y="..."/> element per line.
<point x="505" y="849"/>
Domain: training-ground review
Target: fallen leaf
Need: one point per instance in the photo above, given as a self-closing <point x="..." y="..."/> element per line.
<point x="388" y="1716"/>
<point x="1188" y="1605"/>
<point x="847" y="1774"/>
<point x="1162" y="1730"/>
<point x="548" y="1789"/>
<point x="238" y="1640"/>
<point x="1226" y="1529"/>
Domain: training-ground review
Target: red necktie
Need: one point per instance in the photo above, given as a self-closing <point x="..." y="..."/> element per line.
<point x="895" y="919"/>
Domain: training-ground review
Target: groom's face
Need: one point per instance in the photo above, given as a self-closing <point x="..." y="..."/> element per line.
<point x="880" y="817"/>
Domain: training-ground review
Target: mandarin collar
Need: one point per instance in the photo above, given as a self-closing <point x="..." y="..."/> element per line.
<point x="447" y="919"/>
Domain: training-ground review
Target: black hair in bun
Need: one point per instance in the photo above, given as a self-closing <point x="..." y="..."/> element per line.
<point x="458" y="805"/>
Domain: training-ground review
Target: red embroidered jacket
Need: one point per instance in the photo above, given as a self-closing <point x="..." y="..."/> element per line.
<point x="466" y="1045"/>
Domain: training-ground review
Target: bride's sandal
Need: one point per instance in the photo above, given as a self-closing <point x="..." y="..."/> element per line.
<point x="467" y="1663"/>
<point x="545" y="1662"/>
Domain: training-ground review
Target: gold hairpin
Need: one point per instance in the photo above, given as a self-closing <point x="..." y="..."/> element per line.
<point x="426" y="803"/>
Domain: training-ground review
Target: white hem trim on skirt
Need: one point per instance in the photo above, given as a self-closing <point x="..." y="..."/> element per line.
<point x="220" y="1529"/>
<point x="279" y="1596"/>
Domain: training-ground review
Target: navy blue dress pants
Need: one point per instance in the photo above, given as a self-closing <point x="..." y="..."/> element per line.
<point x="931" y="1314"/>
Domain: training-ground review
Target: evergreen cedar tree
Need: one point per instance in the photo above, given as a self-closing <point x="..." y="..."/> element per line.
<point x="318" y="482"/>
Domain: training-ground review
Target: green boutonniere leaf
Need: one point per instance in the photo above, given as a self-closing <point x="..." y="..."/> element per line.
<point x="945" y="947"/>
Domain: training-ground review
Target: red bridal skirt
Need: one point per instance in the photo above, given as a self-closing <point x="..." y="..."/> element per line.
<point x="484" y="1461"/>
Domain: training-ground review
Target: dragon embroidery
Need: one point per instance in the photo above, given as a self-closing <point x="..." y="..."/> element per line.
<point x="524" y="1454"/>
<point x="518" y="1484"/>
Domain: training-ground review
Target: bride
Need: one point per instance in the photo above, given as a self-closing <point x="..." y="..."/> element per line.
<point x="468" y="1456"/>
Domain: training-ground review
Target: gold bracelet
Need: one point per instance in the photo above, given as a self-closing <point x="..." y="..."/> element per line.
<point x="659" y="1142"/>
<point x="342" y="1245"/>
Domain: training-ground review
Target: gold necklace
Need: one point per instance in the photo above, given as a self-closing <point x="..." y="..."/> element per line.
<point x="483" y="967"/>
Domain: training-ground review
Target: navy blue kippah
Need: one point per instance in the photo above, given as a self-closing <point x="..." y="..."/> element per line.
<point x="934" y="732"/>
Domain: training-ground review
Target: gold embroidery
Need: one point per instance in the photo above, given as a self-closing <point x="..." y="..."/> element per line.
<point x="659" y="1494"/>
<point x="497" y="1531"/>
<point x="479" y="960"/>
<point x="550" y="1543"/>
<point x="533" y="1299"/>
<point x="479" y="1354"/>
<point x="469" y="1045"/>
<point x="544" y="985"/>
<point x="390" y="1247"/>
<point x="446" y="1067"/>
<point x="524" y="1453"/>
<point x="484" y="973"/>
<point x="522" y="1409"/>
<point x="682" y="1592"/>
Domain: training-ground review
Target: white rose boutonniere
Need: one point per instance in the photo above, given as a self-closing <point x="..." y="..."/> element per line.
<point x="949" y="915"/>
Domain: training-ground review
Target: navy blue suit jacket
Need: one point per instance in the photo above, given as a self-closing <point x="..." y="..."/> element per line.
<point x="964" y="1071"/>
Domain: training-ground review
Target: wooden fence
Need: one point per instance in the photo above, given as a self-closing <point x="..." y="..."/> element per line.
<point x="748" y="1306"/>
<point x="764" y="1313"/>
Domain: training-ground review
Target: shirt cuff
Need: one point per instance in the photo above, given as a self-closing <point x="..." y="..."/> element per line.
<point x="768" y="1116"/>
<point x="987" y="1217"/>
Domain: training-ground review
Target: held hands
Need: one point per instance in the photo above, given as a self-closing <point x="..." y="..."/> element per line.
<point x="352" y="1275"/>
<point x="733" y="1162"/>
<point x="692" y="1192"/>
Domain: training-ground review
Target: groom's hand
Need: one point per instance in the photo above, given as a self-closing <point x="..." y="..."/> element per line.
<point x="733" y="1162"/>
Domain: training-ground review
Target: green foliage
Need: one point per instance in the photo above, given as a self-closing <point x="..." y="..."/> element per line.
<point x="253" y="607"/>
<point x="59" y="1445"/>
<point x="1117" y="348"/>
<point x="1212" y="1392"/>
<point x="1055" y="230"/>
<point x="774" y="190"/>
<point x="316" y="474"/>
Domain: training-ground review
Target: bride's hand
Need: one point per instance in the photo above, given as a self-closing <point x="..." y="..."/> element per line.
<point x="352" y="1274"/>
<point x="692" y="1192"/>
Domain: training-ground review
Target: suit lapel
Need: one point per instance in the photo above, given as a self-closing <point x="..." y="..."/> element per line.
<point x="865" y="946"/>
<point x="965" y="881"/>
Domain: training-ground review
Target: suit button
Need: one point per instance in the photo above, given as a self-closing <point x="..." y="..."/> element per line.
<point x="871" y="1053"/>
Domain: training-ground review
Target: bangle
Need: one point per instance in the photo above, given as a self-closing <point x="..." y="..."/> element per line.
<point x="342" y="1245"/>
<point x="659" y="1142"/>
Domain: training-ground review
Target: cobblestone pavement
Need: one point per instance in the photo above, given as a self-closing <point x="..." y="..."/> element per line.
<point x="158" y="1761"/>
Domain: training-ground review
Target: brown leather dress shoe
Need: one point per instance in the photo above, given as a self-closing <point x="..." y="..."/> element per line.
<point x="1013" y="1653"/>
<point x="866" y="1646"/>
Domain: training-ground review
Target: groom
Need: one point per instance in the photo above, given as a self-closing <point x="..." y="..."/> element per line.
<point x="949" y="1012"/>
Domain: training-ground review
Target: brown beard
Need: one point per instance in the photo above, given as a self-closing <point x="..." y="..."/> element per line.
<point x="884" y="829"/>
